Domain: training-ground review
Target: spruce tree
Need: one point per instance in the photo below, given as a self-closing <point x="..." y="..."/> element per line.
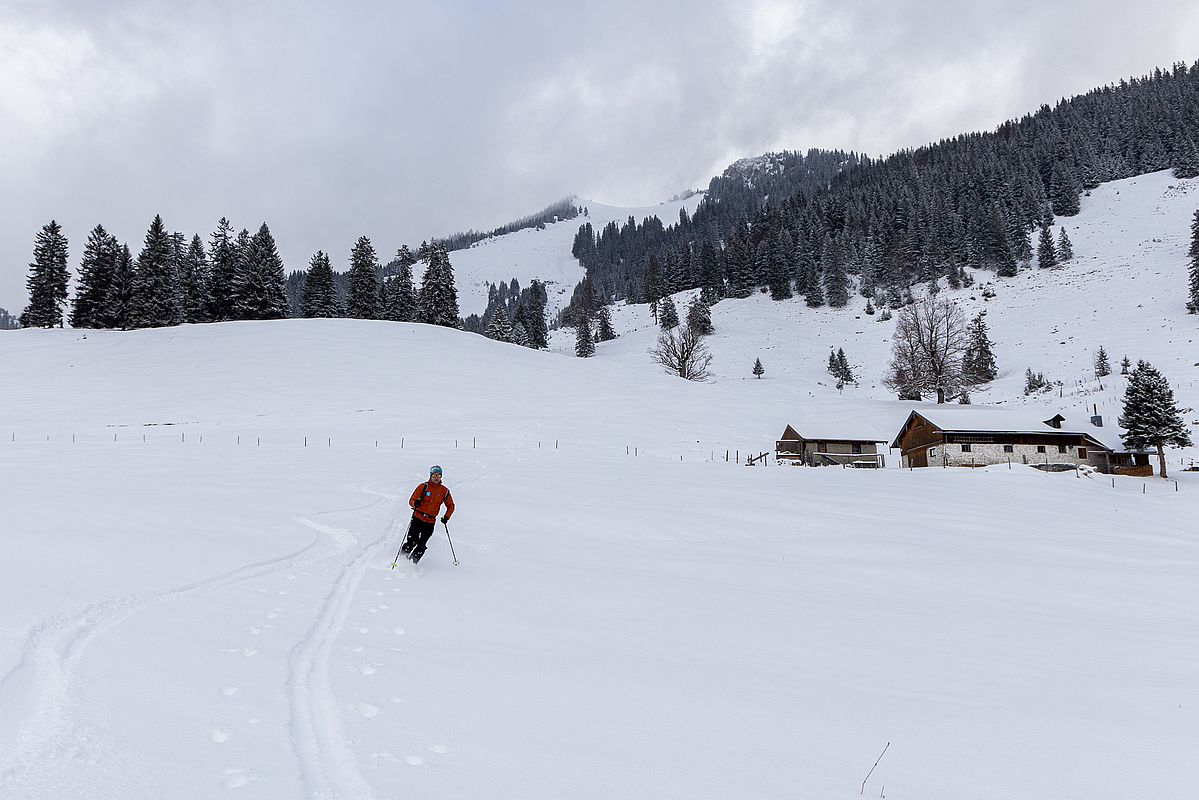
<point x="47" y="281"/>
<point x="400" y="305"/>
<point x="1064" y="190"/>
<point x="1102" y="367"/>
<point x="584" y="344"/>
<point x="319" y="297"/>
<point x="978" y="364"/>
<point x="1046" y="250"/>
<point x="777" y="254"/>
<point x="261" y="292"/>
<point x="155" y="284"/>
<point x="1065" y="250"/>
<point x="438" y="295"/>
<point x="1150" y="417"/>
<point x="90" y="307"/>
<point x="520" y="335"/>
<point x="222" y="272"/>
<point x="1124" y="365"/>
<point x="119" y="302"/>
<point x="844" y="370"/>
<point x="836" y="282"/>
<point x="194" y="283"/>
<point x="710" y="283"/>
<point x="604" y="330"/>
<point x="668" y="314"/>
<point x="362" y="299"/>
<point x="758" y="368"/>
<point x="699" y="316"/>
<point x="533" y="317"/>
<point x="500" y="327"/>
<point x="1194" y="266"/>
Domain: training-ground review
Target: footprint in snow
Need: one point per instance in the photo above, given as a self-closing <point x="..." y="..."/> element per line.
<point x="398" y="631"/>
<point x="235" y="778"/>
<point x="273" y="613"/>
<point x="228" y="691"/>
<point x="367" y="710"/>
<point x="368" y="669"/>
<point x="440" y="749"/>
<point x="218" y="735"/>
<point x="415" y="761"/>
<point x="254" y="630"/>
<point x="249" y="652"/>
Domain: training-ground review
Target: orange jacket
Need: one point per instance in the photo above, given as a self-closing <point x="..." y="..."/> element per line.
<point x="426" y="501"/>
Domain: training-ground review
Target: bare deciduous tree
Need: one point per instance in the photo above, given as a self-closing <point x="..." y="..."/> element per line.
<point x="682" y="352"/>
<point x="927" y="350"/>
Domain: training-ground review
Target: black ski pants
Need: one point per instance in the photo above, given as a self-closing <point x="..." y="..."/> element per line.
<point x="419" y="533"/>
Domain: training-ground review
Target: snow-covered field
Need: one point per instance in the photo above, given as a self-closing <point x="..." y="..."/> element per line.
<point x="210" y="611"/>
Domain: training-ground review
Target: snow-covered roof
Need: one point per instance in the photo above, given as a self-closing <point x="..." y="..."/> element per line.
<point x="959" y="418"/>
<point x="838" y="432"/>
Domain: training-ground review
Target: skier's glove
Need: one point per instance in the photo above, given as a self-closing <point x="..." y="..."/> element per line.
<point x="444" y="520"/>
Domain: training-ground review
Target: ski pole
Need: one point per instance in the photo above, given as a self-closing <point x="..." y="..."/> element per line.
<point x="393" y="564"/>
<point x="451" y="541"/>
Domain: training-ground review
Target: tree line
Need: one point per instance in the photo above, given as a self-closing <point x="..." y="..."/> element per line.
<point x="236" y="276"/>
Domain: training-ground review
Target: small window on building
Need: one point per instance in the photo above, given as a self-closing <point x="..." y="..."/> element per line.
<point x="932" y="452"/>
<point x="1061" y="448"/>
<point x="1007" y="448"/>
<point x="965" y="448"/>
<point x="857" y="449"/>
<point x="1040" y="448"/>
<point x="1082" y="452"/>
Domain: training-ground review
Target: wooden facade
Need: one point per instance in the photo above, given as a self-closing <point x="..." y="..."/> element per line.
<point x="923" y="443"/>
<point x="794" y="448"/>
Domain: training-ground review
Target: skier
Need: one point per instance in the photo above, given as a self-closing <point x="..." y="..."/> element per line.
<point x="426" y="502"/>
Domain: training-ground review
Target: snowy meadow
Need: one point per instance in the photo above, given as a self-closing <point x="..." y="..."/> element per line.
<point x="197" y="597"/>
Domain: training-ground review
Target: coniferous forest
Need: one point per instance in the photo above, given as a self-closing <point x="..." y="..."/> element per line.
<point x="804" y="224"/>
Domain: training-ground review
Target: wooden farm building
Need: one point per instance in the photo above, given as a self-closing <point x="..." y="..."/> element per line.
<point x="975" y="436"/>
<point x="828" y="449"/>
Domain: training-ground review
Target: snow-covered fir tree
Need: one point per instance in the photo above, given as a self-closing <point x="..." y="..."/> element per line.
<point x="319" y="296"/>
<point x="520" y="335"/>
<point x="119" y="302"/>
<point x="839" y="368"/>
<point x="1065" y="248"/>
<point x="759" y="370"/>
<point x="362" y="299"/>
<point x="155" y="284"/>
<point x="1124" y="365"/>
<point x="836" y="282"/>
<point x="222" y="271"/>
<point x="668" y="314"/>
<point x="584" y="344"/>
<point x="47" y="281"/>
<point x="261" y="292"/>
<point x="90" y="306"/>
<point x="699" y="316"/>
<point x="194" y="283"/>
<point x="438" y="296"/>
<point x="1193" y="303"/>
<point x="604" y="331"/>
<point x="776" y="253"/>
<point x="7" y="321"/>
<point x="530" y="312"/>
<point x="978" y="364"/>
<point x="1046" y="250"/>
<point x="1150" y="417"/>
<point x="399" y="303"/>
<point x="500" y="327"/>
<point x="1103" y="367"/>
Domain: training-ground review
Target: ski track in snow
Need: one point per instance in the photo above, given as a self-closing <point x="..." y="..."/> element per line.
<point x="328" y="768"/>
<point x="49" y="668"/>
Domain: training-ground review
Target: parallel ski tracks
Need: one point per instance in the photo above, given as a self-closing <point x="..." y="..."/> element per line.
<point x="46" y="679"/>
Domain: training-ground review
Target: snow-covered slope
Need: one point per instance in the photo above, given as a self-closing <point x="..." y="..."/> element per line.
<point x="543" y="254"/>
<point x="198" y="526"/>
<point x="1124" y="290"/>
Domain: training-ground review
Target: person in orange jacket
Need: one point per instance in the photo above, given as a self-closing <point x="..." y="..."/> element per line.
<point x="426" y="503"/>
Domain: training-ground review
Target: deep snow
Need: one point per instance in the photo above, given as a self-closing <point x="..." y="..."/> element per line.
<point x="212" y="609"/>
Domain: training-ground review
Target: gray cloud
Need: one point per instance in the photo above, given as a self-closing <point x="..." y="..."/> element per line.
<point x="407" y="120"/>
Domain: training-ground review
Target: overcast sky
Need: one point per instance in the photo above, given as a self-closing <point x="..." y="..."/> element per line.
<point x="406" y="120"/>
